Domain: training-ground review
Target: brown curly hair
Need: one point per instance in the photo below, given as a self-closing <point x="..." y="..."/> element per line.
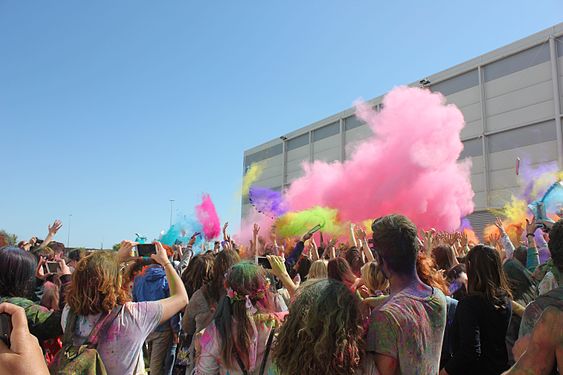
<point x="96" y="284"/>
<point x="322" y="333"/>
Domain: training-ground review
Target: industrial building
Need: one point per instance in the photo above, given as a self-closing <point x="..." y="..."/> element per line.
<point x="511" y="99"/>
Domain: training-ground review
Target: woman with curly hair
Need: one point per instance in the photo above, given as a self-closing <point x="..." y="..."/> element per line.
<point x="96" y="293"/>
<point x="238" y="339"/>
<point x="322" y="333"/>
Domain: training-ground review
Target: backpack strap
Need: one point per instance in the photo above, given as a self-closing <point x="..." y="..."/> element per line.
<point x="240" y="363"/>
<point x="70" y="326"/>
<point x="267" y="351"/>
<point x="102" y="324"/>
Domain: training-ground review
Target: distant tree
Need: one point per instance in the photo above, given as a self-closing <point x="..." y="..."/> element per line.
<point x="7" y="238"/>
<point x="116" y="247"/>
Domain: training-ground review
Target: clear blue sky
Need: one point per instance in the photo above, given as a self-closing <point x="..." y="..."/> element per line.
<point x="108" y="109"/>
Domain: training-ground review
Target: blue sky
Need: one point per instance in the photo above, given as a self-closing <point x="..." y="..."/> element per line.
<point x="108" y="109"/>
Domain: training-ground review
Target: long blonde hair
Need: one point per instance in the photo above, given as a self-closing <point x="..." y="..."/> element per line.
<point x="318" y="270"/>
<point x="373" y="277"/>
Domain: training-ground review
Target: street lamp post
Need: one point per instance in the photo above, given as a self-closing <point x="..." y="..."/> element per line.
<point x="171" y="205"/>
<point x="68" y="237"/>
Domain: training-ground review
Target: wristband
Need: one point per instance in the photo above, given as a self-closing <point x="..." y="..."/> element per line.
<point x="167" y="263"/>
<point x="530" y="234"/>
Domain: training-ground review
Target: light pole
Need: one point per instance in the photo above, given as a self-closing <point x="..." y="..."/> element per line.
<point x="171" y="205"/>
<point x="68" y="237"/>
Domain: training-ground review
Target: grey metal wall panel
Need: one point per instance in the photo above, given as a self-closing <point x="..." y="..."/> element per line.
<point x="269" y="182"/>
<point x="459" y="83"/>
<point x="519" y="80"/>
<point x="471" y="129"/>
<point x="478" y="182"/>
<point x="536" y="93"/>
<point x="262" y="155"/>
<point x="521" y="116"/>
<point x="521" y="60"/>
<point x="471" y="112"/>
<point x="536" y="153"/>
<point x="477" y="163"/>
<point x="472" y="147"/>
<point x="480" y="200"/>
<point x="298" y="141"/>
<point x="326" y="131"/>
<point x="520" y="137"/>
<point x="352" y="122"/>
<point x="328" y="155"/>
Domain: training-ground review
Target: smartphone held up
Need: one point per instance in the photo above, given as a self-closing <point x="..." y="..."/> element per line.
<point x="5" y="328"/>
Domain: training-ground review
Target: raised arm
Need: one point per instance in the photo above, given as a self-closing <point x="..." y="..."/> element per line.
<point x="53" y="229"/>
<point x="254" y="243"/>
<point x="533" y="259"/>
<point x="314" y="250"/>
<point x="279" y="270"/>
<point x="505" y="240"/>
<point x="178" y="296"/>
<point x="353" y="241"/>
<point x="363" y="239"/>
<point x="225" y="236"/>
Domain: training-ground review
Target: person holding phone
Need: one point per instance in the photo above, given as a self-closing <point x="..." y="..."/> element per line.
<point x="96" y="289"/>
<point x="17" y="283"/>
<point x="23" y="356"/>
<point x="152" y="285"/>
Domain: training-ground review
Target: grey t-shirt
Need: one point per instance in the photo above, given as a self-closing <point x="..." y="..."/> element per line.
<point x="410" y="328"/>
<point x="120" y="347"/>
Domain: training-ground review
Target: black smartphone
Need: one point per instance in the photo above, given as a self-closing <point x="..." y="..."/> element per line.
<point x="264" y="262"/>
<point x="146" y="249"/>
<point x="5" y="328"/>
<point x="52" y="267"/>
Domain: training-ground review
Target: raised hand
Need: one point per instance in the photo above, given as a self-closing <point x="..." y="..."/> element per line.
<point x="53" y="229"/>
<point x="161" y="257"/>
<point x="361" y="234"/>
<point x="256" y="229"/>
<point x="499" y="224"/>
<point x="40" y="271"/>
<point x="63" y="268"/>
<point x="278" y="266"/>
<point x="531" y="226"/>
<point x="125" y="251"/>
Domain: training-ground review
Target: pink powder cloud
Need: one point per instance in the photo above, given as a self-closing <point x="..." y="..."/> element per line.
<point x="409" y="166"/>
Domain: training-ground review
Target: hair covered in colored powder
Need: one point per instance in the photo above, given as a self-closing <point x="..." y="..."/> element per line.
<point x="207" y="216"/>
<point x="409" y="166"/>
<point x="244" y="281"/>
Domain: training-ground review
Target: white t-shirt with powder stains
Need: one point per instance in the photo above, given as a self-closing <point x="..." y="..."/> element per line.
<point x="120" y="347"/>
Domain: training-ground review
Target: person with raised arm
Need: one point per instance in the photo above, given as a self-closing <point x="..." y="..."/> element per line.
<point x="96" y="293"/>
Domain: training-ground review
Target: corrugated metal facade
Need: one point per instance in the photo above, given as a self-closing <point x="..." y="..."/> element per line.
<point x="511" y="99"/>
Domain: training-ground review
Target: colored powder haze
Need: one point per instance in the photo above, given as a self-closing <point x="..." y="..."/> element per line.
<point x="409" y="166"/>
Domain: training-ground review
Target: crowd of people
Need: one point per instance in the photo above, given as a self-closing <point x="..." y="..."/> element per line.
<point x="397" y="301"/>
